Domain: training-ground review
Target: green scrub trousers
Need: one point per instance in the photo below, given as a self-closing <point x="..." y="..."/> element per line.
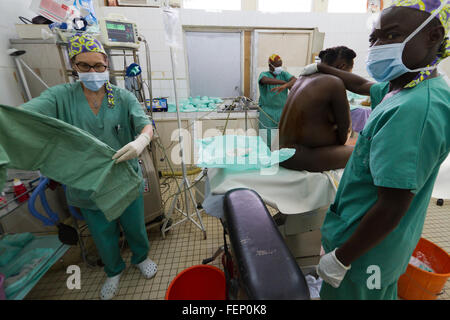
<point x="271" y="103"/>
<point x="106" y="235"/>
<point x="402" y="146"/>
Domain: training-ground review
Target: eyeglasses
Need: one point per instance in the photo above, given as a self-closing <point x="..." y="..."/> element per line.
<point x="84" y="67"/>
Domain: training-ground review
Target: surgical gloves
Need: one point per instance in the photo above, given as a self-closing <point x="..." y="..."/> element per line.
<point x="331" y="270"/>
<point x="133" y="149"/>
<point x="309" y="69"/>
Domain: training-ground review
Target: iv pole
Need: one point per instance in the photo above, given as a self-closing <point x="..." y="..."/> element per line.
<point x="185" y="185"/>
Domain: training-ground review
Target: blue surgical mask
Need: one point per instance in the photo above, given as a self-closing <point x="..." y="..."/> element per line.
<point x="93" y="80"/>
<point x="385" y="63"/>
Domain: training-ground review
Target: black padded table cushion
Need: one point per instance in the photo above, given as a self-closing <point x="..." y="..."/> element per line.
<point x="267" y="269"/>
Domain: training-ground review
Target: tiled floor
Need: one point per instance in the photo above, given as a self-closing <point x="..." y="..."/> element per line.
<point x="183" y="247"/>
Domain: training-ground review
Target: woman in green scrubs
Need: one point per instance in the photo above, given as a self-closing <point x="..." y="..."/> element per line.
<point x="376" y="220"/>
<point x="273" y="91"/>
<point x="114" y="116"/>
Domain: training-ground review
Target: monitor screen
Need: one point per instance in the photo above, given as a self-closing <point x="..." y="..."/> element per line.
<point x="120" y="31"/>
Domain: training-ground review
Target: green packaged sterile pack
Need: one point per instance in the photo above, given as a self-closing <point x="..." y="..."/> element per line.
<point x="197" y="104"/>
<point x="238" y="152"/>
<point x="25" y="268"/>
<point x="18" y="239"/>
<point x="7" y="253"/>
<point x="11" y="245"/>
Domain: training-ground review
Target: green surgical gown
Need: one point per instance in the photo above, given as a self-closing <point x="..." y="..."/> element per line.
<point x="403" y="144"/>
<point x="115" y="126"/>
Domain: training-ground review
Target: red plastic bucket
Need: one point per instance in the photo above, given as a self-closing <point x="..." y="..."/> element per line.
<point x="418" y="284"/>
<point x="201" y="282"/>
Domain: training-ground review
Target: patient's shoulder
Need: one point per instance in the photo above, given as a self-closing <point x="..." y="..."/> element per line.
<point x="323" y="80"/>
<point x="332" y="81"/>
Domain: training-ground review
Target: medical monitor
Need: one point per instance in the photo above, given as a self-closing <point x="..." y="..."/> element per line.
<point x="119" y="33"/>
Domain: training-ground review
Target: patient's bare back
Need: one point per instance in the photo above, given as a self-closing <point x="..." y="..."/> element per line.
<point x="316" y="122"/>
<point x="308" y="118"/>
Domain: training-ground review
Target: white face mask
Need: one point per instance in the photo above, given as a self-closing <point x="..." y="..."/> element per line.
<point x="385" y="62"/>
<point x="276" y="70"/>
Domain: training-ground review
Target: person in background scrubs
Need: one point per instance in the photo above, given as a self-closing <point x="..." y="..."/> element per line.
<point x="273" y="91"/>
<point x="376" y="220"/>
<point x="114" y="116"/>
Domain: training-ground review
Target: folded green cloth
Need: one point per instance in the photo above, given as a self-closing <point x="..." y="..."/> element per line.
<point x="7" y="253"/>
<point x="11" y="245"/>
<point x="196" y="104"/>
<point x="25" y="268"/>
<point x="18" y="239"/>
<point x="69" y="155"/>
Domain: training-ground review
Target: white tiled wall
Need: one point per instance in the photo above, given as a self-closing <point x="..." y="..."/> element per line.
<point x="340" y="29"/>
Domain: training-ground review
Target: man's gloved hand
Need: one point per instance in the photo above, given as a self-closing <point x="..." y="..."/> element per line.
<point x="331" y="270"/>
<point x="133" y="149"/>
<point x="309" y="69"/>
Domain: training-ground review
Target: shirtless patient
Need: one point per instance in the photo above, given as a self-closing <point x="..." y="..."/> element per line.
<point x="316" y="118"/>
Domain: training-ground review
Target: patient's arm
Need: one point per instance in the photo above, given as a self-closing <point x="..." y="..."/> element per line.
<point x="352" y="82"/>
<point x="341" y="110"/>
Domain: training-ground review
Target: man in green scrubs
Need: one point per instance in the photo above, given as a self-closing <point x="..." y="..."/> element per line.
<point x="376" y="220"/>
<point x="114" y="116"/>
<point x="273" y="91"/>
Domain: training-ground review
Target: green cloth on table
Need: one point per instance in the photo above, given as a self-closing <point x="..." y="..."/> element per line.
<point x="355" y="100"/>
<point x="236" y="152"/>
<point x="351" y="96"/>
<point x="402" y="146"/>
<point x="70" y="156"/>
